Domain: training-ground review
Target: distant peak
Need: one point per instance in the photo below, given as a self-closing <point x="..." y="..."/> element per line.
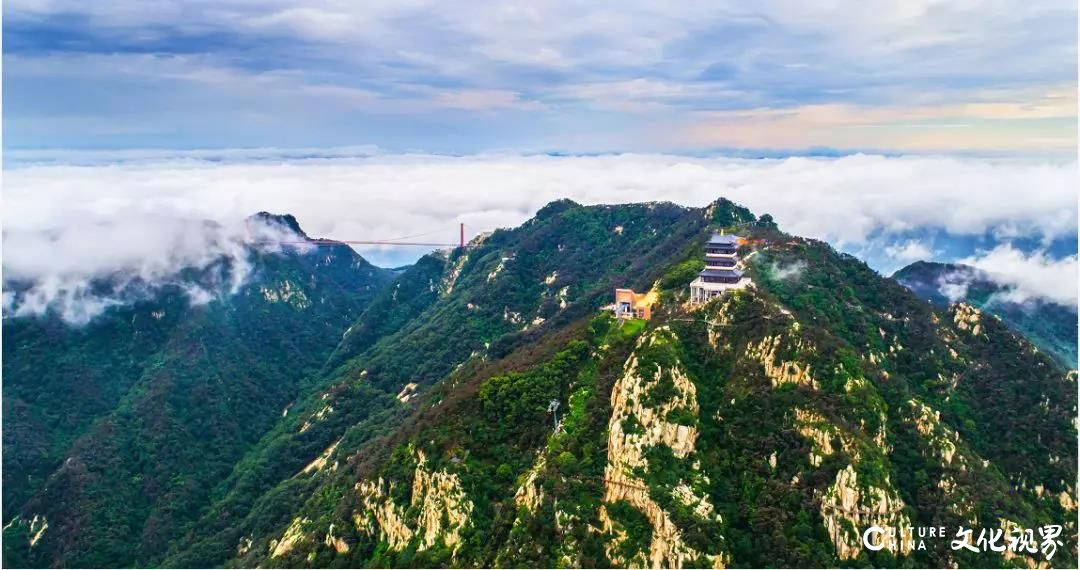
<point x="727" y="213"/>
<point x="556" y="207"/>
<point x="287" y="221"/>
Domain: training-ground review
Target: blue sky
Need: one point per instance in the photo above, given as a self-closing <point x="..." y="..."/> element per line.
<point x="966" y="76"/>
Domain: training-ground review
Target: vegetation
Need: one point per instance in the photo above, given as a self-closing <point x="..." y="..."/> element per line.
<point x="1050" y="326"/>
<point x="447" y="374"/>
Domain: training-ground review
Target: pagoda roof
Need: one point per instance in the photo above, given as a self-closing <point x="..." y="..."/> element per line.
<point x="723" y="239"/>
<point x="720" y="273"/>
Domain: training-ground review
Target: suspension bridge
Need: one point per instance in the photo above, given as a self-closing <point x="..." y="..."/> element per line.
<point x="403" y="241"/>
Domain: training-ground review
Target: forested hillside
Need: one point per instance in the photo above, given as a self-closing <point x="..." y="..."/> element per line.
<point x="1050" y="326"/>
<point x="482" y="410"/>
<point x="115" y="432"/>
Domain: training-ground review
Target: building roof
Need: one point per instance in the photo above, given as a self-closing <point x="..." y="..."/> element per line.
<point x="720" y="273"/>
<point x="723" y="239"/>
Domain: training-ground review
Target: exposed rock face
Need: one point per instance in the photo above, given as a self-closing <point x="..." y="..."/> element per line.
<point x="451" y="277"/>
<point x="287" y="293"/>
<point x="384" y="517"/>
<point x="1010" y="529"/>
<point x="336" y="542"/>
<point x="293" y="535"/>
<point x="512" y="316"/>
<point x="721" y="319"/>
<point x="407" y="393"/>
<point x="38" y="525"/>
<point x="498" y="268"/>
<point x="439" y="494"/>
<point x="626" y="452"/>
<point x="848" y="507"/>
<point x="814" y="427"/>
<point x="781" y="371"/>
<point x="320" y="462"/>
<point x="701" y="505"/>
<point x="1066" y="501"/>
<point x="941" y="438"/>
<point x="244" y="545"/>
<point x="967" y="318"/>
<point x="529" y="495"/>
<point x="442" y="509"/>
<point x="317" y="417"/>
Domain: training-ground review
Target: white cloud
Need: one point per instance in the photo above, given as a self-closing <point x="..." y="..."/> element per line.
<point x="1035" y="120"/>
<point x="141" y="214"/>
<point x="1034" y="275"/>
<point x="970" y="75"/>
<point x="80" y="264"/>
<point x="911" y="250"/>
<point x="790" y="271"/>
<point x="955" y="286"/>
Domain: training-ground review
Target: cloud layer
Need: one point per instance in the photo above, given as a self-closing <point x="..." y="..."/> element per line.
<point x="976" y="75"/>
<point x="143" y="214"/>
<point x="1029" y="275"/>
<point x="81" y="266"/>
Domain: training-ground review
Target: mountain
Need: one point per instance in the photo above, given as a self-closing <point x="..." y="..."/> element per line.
<point x="1050" y="326"/>
<point x="115" y="432"/>
<point x="484" y="410"/>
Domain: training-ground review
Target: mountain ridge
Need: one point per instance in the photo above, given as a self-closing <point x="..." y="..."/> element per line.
<point x="737" y="433"/>
<point x="167" y="379"/>
<point x="1051" y="326"/>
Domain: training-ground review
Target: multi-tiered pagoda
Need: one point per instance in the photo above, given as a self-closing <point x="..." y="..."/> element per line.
<point x="721" y="272"/>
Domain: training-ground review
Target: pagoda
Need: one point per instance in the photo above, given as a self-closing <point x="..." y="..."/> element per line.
<point x="721" y="271"/>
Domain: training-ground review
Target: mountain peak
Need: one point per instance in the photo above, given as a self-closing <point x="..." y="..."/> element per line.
<point x="727" y="213"/>
<point x="1050" y="326"/>
<point x="287" y="221"/>
<point x="555" y="207"/>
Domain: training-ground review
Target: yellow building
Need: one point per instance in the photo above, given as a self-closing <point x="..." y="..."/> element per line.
<point x="631" y="305"/>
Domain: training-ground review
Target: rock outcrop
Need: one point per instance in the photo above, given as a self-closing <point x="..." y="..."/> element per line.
<point x="778" y="371"/>
<point x="320" y="462"/>
<point x="292" y="536"/>
<point x="529" y="495"/>
<point x="814" y="427"/>
<point x="441" y="506"/>
<point x="38" y="526"/>
<point x="381" y="516"/>
<point x="940" y="438"/>
<point x="848" y="506"/>
<point x="627" y="448"/>
<point x="287" y="293"/>
<point x="967" y="318"/>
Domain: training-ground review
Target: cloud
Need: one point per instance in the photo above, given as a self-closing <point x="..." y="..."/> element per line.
<point x="974" y="75"/>
<point x="911" y="250"/>
<point x="848" y="201"/>
<point x="788" y="272"/>
<point x="1029" y="275"/>
<point x="483" y="100"/>
<point x="955" y="285"/>
<point x="1040" y="121"/>
<point x="80" y="265"/>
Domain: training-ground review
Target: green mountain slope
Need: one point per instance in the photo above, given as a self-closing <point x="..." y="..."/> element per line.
<point x="115" y="432"/>
<point x="1052" y="327"/>
<point x="511" y="289"/>
<point x="766" y="429"/>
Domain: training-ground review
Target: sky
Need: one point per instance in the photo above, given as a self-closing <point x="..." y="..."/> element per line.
<point x="975" y="76"/>
<point x="897" y="131"/>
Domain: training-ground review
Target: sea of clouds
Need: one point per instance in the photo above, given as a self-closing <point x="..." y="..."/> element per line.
<point x="70" y="219"/>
